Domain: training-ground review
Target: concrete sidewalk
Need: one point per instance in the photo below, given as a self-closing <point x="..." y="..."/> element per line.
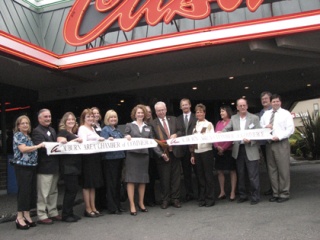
<point x="299" y="218"/>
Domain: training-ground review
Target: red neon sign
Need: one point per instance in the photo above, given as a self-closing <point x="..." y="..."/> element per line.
<point x="154" y="11"/>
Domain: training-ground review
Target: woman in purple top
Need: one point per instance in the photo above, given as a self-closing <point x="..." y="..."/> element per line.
<point x="224" y="160"/>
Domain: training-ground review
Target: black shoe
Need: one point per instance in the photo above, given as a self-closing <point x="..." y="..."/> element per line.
<point x="254" y="202"/>
<point x="273" y="199"/>
<point x="189" y="198"/>
<point x="176" y="204"/>
<point x="222" y="197"/>
<point x="69" y="219"/>
<point x="201" y="204"/>
<point x="232" y="199"/>
<point x="21" y="227"/>
<point x="31" y="224"/>
<point x="164" y="205"/>
<point x="210" y="204"/>
<point x="90" y="215"/>
<point x="76" y="217"/>
<point x="122" y="209"/>
<point x="281" y="200"/>
<point x="269" y="192"/>
<point x="143" y="209"/>
<point x="98" y="214"/>
<point x="116" y="212"/>
<point x="241" y="200"/>
<point x="133" y="213"/>
<point x="150" y="204"/>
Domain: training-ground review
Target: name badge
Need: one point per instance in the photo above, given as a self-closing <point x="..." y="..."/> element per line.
<point x="147" y="129"/>
<point x="251" y="126"/>
<point x="49" y="133"/>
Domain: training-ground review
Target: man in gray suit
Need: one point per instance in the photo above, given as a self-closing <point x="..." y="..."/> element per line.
<point x="246" y="152"/>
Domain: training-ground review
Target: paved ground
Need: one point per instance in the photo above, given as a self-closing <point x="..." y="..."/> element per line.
<point x="298" y="218"/>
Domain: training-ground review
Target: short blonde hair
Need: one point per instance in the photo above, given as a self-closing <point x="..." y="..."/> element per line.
<point x="109" y="114"/>
<point x="19" y="120"/>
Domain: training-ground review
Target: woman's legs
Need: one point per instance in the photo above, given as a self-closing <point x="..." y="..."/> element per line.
<point x="86" y="199"/>
<point x="141" y="190"/>
<point x="221" y="183"/>
<point x="233" y="179"/>
<point x="130" y="190"/>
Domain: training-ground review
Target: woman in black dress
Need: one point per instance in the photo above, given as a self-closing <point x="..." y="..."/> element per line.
<point x="71" y="166"/>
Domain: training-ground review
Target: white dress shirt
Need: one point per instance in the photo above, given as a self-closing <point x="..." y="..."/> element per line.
<point x="283" y="125"/>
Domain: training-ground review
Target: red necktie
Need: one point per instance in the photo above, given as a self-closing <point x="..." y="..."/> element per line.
<point x="166" y="129"/>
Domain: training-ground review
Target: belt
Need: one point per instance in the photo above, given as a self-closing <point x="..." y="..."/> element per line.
<point x="270" y="141"/>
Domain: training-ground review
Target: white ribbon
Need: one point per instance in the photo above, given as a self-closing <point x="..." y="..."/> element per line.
<point x="253" y="134"/>
<point x="55" y="148"/>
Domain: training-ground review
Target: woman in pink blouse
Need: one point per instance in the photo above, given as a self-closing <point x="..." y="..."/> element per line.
<point x="224" y="160"/>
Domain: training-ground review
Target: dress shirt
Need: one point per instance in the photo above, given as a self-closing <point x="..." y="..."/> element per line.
<point x="188" y="116"/>
<point x="283" y="125"/>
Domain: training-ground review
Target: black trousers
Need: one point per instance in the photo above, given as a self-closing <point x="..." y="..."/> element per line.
<point x="204" y="162"/>
<point x="27" y="187"/>
<point x="149" y="196"/>
<point x="187" y="173"/>
<point x="112" y="172"/>
<point x="253" y="173"/>
<point x="169" y="173"/>
<point x="71" y="183"/>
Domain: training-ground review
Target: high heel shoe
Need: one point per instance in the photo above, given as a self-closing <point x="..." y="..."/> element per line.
<point x="222" y="197"/>
<point x="31" y="224"/>
<point x="133" y="213"/>
<point x="21" y="227"/>
<point x="89" y="214"/>
<point x="143" y="209"/>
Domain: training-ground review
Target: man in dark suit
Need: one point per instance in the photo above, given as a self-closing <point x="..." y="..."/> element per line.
<point x="165" y="127"/>
<point x="47" y="171"/>
<point x="246" y="152"/>
<point x="187" y="122"/>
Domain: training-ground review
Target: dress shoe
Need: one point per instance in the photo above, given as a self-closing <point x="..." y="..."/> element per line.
<point x="120" y="209"/>
<point x="133" y="213"/>
<point x="232" y="199"/>
<point x="150" y="204"/>
<point x="99" y="214"/>
<point x="210" y="204"/>
<point x="281" y="200"/>
<point x="89" y="214"/>
<point x="176" y="204"/>
<point x="241" y="200"/>
<point x="76" y="217"/>
<point x="143" y="209"/>
<point x="31" y="224"/>
<point x="164" y="205"/>
<point x="222" y="197"/>
<point x="46" y="221"/>
<point x="189" y="198"/>
<point x="116" y="212"/>
<point x="69" y="219"/>
<point x="273" y="199"/>
<point x="201" y="204"/>
<point x="56" y="218"/>
<point x="254" y="202"/>
<point x="269" y="192"/>
<point x="22" y="227"/>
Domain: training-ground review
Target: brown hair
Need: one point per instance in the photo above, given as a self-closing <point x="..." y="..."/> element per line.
<point x="200" y="106"/>
<point x="83" y="115"/>
<point x="62" y="124"/>
<point x="135" y="109"/>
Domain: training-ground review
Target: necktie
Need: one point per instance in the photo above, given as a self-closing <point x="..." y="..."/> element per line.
<point x="186" y="123"/>
<point x="272" y="117"/>
<point x="166" y="129"/>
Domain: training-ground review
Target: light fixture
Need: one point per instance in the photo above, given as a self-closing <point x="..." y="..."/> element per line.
<point x="308" y="85"/>
<point x="194" y="88"/>
<point x="231" y="78"/>
<point x="232" y="103"/>
<point x="243" y="97"/>
<point x="122" y="101"/>
<point x="246" y="87"/>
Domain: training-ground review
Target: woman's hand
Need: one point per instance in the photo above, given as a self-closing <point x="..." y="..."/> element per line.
<point x="79" y="140"/>
<point x="111" y="138"/>
<point x="41" y="145"/>
<point x="101" y="139"/>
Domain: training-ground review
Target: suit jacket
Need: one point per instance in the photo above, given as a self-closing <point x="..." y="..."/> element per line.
<point x="191" y="125"/>
<point x="174" y="128"/>
<point x="252" y="148"/>
<point x="46" y="164"/>
<point x="133" y="130"/>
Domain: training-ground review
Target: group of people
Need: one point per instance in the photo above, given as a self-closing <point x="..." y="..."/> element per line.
<point x="102" y="173"/>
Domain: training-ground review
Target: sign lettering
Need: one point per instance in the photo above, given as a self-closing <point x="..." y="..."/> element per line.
<point x="128" y="14"/>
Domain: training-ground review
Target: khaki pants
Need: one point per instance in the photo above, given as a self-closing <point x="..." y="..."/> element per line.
<point x="47" y="195"/>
